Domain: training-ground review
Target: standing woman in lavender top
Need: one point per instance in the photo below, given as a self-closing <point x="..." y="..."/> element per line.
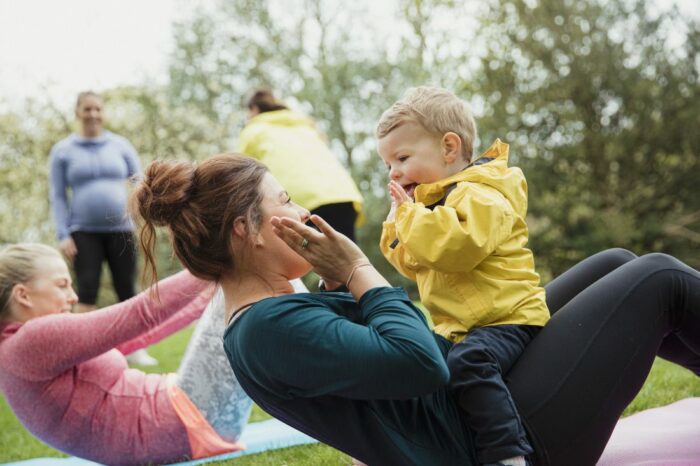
<point x="88" y="176"/>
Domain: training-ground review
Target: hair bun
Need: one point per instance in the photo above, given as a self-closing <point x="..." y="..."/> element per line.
<point x="165" y="191"/>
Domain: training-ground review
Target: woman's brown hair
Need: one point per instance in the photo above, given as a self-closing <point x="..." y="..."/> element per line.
<point x="265" y="101"/>
<point x="85" y="94"/>
<point x="198" y="204"/>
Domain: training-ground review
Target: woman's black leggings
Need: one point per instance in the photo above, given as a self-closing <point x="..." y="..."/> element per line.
<point x="587" y="364"/>
<point x="340" y="216"/>
<point x="119" y="249"/>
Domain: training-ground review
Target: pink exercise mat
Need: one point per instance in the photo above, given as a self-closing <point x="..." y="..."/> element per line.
<point x="666" y="436"/>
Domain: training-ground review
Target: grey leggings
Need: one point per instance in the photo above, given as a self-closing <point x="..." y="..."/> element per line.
<point x="206" y="377"/>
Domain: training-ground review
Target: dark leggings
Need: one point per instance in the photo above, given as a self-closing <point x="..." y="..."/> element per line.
<point x="118" y="249"/>
<point x="340" y="216"/>
<point x="587" y="364"/>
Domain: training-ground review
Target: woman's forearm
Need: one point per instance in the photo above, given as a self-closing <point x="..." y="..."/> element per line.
<point x="187" y="313"/>
<point x="83" y="336"/>
<point x="364" y="278"/>
<point x="385" y="352"/>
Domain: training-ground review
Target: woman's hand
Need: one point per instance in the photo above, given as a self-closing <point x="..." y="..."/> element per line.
<point x="331" y="254"/>
<point x="67" y="247"/>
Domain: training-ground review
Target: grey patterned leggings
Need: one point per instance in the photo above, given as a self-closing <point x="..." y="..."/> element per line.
<point x="206" y="376"/>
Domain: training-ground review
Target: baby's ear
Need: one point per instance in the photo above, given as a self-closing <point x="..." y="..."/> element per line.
<point x="451" y="147"/>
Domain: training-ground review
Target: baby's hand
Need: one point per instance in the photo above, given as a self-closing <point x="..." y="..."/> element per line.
<point x="398" y="197"/>
<point x="398" y="194"/>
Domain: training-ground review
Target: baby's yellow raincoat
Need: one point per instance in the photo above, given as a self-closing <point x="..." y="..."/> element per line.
<point x="468" y="255"/>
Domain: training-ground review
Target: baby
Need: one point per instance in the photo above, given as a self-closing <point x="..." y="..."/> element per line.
<point x="457" y="227"/>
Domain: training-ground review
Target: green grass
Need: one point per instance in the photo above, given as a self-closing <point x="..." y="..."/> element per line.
<point x="666" y="383"/>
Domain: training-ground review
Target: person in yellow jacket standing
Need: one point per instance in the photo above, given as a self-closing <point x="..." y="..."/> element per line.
<point x="458" y="229"/>
<point x="296" y="154"/>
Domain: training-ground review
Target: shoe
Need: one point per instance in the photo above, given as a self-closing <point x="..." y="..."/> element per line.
<point x="141" y="358"/>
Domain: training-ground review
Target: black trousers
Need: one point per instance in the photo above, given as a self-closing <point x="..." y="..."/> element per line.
<point x="613" y="313"/>
<point x="477" y="365"/>
<point x="119" y="249"/>
<point x="340" y="216"/>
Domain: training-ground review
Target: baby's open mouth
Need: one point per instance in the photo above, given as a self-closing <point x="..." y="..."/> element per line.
<point x="409" y="188"/>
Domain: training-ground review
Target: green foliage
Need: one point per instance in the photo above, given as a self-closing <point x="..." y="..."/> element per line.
<point x="25" y="141"/>
<point x="333" y="60"/>
<point x="594" y="98"/>
<point x="597" y="105"/>
<point x="597" y="99"/>
<point x="155" y="126"/>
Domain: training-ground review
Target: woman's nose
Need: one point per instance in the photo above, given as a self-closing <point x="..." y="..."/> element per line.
<point x="305" y="214"/>
<point x="72" y="297"/>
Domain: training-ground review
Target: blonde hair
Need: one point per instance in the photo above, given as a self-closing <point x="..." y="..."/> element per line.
<point x="437" y="110"/>
<point x="19" y="263"/>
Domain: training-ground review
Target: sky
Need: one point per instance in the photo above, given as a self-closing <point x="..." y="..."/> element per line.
<point x="60" y="47"/>
<point x="57" y="48"/>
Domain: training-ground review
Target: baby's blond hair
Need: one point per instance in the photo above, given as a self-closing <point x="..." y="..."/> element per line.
<point x="437" y="110"/>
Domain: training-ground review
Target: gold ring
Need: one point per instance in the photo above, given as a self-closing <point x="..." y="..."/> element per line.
<point x="304" y="243"/>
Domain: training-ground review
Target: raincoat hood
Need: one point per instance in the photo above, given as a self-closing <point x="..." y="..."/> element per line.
<point x="509" y="181"/>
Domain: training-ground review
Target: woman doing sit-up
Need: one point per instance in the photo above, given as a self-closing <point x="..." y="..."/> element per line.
<point x="70" y="387"/>
<point x="361" y="371"/>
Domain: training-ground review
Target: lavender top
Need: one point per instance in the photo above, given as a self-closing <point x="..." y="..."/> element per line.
<point x="94" y="171"/>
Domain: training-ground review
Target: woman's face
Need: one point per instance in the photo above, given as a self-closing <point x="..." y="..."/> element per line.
<point x="277" y="203"/>
<point x="89" y="114"/>
<point x="49" y="292"/>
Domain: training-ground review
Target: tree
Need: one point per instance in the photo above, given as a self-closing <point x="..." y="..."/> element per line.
<point x="599" y="101"/>
<point x="143" y="115"/>
<point x="597" y="105"/>
<point x="333" y="60"/>
<point x="25" y="141"/>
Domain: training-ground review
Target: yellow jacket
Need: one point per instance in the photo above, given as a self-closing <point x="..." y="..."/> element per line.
<point x="296" y="154"/>
<point x="468" y="256"/>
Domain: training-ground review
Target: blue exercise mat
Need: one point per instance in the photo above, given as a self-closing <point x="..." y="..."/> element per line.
<point x="258" y="437"/>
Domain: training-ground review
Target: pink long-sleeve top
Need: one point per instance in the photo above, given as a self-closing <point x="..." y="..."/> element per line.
<point x="67" y="380"/>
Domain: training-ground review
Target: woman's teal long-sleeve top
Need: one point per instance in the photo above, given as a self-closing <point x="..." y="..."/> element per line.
<point x="367" y="378"/>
